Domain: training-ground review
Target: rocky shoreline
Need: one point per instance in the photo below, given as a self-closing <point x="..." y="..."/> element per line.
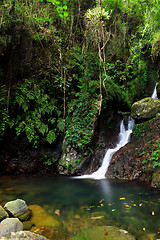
<point x="19" y="221"/>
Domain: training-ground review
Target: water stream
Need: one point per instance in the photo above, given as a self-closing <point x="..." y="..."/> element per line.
<point x="123" y="139"/>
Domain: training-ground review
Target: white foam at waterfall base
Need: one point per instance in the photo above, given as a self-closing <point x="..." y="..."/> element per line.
<point x="123" y="139"/>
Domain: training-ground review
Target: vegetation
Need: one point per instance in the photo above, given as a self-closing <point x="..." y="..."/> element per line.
<point x="59" y="58"/>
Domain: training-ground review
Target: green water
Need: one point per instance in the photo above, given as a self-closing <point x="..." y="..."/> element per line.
<point x="129" y="205"/>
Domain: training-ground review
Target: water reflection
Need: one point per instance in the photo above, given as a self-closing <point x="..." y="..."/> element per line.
<point x="106" y="189"/>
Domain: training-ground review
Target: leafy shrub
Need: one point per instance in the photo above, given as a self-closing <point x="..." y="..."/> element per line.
<point x="38" y="115"/>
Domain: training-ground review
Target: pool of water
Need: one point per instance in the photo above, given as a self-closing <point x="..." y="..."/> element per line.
<point x="84" y="202"/>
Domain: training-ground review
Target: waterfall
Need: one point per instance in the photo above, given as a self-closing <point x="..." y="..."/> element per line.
<point x="123" y="139"/>
<point x="154" y="94"/>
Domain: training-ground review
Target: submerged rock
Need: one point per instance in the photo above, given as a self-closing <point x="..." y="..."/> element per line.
<point x="104" y="233"/>
<point x="23" y="235"/>
<point x="146" y="108"/>
<point x="40" y="217"/>
<point x="9" y="225"/>
<point x="18" y="208"/>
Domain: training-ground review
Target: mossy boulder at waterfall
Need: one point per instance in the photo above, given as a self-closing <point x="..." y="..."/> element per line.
<point x="146" y="108"/>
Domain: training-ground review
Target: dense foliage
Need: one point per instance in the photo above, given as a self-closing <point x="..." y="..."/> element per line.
<point x="58" y="58"/>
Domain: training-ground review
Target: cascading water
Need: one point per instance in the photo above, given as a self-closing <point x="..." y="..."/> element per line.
<point x="154" y="94"/>
<point x="123" y="139"/>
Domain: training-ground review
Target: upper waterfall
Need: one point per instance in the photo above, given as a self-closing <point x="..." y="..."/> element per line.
<point x="123" y="139"/>
<point x="154" y="94"/>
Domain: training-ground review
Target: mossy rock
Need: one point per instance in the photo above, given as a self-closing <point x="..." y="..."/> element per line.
<point x="3" y="213"/>
<point x="146" y="108"/>
<point x="103" y="233"/>
<point x="27" y="225"/>
<point x="19" y="209"/>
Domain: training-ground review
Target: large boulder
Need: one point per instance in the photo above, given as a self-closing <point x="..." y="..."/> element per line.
<point x="146" y="108"/>
<point x="18" y="208"/>
<point x="3" y="213"/>
<point x="23" y="235"/>
<point x="9" y="225"/>
<point x="103" y="233"/>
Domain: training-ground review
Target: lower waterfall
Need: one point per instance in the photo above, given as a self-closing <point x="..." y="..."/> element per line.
<point x="123" y="139"/>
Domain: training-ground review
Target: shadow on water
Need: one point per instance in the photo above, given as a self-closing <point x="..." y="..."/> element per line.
<point x="86" y="202"/>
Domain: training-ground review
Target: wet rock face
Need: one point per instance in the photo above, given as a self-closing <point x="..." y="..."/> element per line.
<point x="146" y="108"/>
<point x="18" y="158"/>
<point x="136" y="160"/>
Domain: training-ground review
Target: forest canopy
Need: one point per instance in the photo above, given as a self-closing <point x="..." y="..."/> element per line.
<point x="59" y="58"/>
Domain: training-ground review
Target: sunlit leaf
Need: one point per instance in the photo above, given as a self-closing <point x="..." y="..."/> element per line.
<point x="66" y="14"/>
<point x="82" y="207"/>
<point x="69" y="229"/>
<point x="57" y="211"/>
<point x="98" y="217"/>
<point x="42" y="228"/>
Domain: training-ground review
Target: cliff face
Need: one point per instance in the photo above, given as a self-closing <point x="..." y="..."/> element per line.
<point x="140" y="158"/>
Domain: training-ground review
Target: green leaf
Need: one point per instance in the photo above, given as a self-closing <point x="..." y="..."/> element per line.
<point x="57" y="2"/>
<point x="61" y="125"/>
<point x="61" y="15"/>
<point x="65" y="7"/>
<point x="66" y="14"/>
<point x="51" y="136"/>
